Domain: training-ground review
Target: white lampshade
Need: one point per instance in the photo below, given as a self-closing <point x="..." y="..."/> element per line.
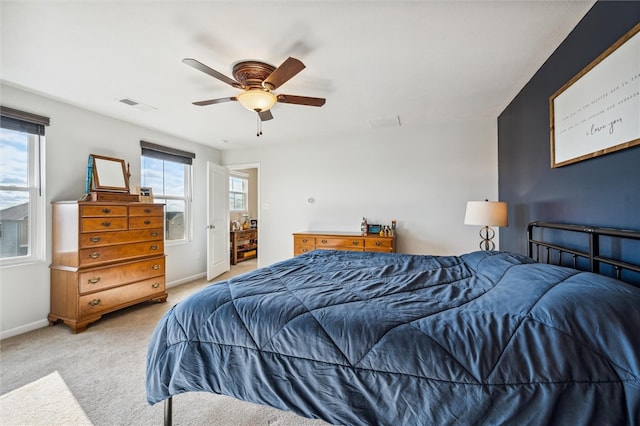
<point x="257" y="99"/>
<point x="486" y="213"/>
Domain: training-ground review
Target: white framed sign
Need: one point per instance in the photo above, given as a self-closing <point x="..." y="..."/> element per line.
<point x="598" y="111"/>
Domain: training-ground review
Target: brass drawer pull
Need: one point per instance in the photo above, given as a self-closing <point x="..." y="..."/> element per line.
<point x="106" y="211"/>
<point x="95" y="239"/>
<point x="154" y="234"/>
<point x="154" y="247"/>
<point x="147" y="222"/>
<point x="304" y="240"/>
<point x="355" y="242"/>
<point x="155" y="267"/>
<point x="147" y="210"/>
<point x="155" y="285"/>
<point x="106" y="224"/>
<point x="304" y="250"/>
<point x="94" y="302"/>
<point x="324" y="241"/>
<point x="94" y="280"/>
<point x="378" y="243"/>
<point x="94" y="255"/>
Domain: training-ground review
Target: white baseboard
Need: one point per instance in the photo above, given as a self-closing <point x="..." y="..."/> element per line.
<point x="44" y="322"/>
<point x="186" y="280"/>
<point x="24" y="329"/>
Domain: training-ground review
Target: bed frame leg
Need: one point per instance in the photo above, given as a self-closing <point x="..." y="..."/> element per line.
<point x="168" y="411"/>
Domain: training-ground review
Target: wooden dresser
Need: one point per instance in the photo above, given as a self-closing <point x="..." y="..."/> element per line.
<point x="105" y="256"/>
<point x="354" y="241"/>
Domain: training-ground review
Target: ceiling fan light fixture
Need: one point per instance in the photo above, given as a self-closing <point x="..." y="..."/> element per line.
<point x="257" y="99"/>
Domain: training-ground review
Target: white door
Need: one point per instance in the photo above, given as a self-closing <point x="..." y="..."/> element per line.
<point x="218" y="220"/>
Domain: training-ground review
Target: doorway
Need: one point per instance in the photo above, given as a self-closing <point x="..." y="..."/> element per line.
<point x="250" y="214"/>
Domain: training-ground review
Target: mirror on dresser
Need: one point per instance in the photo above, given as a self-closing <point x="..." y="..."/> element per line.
<point x="109" y="174"/>
<point x="108" y="180"/>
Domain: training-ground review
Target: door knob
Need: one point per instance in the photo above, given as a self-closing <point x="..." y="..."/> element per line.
<point x="210" y="227"/>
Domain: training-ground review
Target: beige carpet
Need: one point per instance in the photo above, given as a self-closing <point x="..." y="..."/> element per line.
<point x="47" y="401"/>
<point x="104" y="368"/>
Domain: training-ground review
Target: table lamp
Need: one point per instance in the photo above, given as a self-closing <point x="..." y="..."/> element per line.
<point x="486" y="213"/>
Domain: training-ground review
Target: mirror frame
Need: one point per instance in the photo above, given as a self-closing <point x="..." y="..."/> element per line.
<point x="106" y="174"/>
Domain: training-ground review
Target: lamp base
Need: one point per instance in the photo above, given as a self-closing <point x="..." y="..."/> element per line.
<point x="487" y="235"/>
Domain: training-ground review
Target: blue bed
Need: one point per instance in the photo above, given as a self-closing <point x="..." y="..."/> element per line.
<point x="392" y="339"/>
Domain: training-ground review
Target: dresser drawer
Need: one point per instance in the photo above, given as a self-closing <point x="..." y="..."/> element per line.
<point x="145" y="222"/>
<point x="303" y="244"/>
<point x="146" y="210"/>
<point x="304" y="240"/>
<point x="92" y="224"/>
<point x="98" y="255"/>
<point x="379" y="244"/>
<point x="340" y="243"/>
<point x="354" y="248"/>
<point x="98" y="239"/>
<point x="102" y="211"/>
<point x="112" y="276"/>
<point x="302" y="249"/>
<point x="107" y="300"/>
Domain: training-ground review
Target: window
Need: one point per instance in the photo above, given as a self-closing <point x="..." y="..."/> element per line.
<point x="238" y="193"/>
<point x="22" y="206"/>
<point x="168" y="172"/>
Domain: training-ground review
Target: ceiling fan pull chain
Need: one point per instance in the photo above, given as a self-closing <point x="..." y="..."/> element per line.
<point x="258" y="124"/>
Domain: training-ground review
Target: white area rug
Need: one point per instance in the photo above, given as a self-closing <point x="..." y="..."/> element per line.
<point x="47" y="401"/>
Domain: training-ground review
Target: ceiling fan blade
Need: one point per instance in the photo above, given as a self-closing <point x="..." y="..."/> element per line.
<point x="301" y="100"/>
<point x="210" y="71"/>
<point x="265" y="115"/>
<point x="215" y="101"/>
<point x="282" y="74"/>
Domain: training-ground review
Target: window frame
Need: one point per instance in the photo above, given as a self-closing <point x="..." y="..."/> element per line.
<point x="245" y="178"/>
<point x="167" y="154"/>
<point x="33" y="125"/>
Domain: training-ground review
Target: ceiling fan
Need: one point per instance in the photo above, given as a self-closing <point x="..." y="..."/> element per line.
<point x="258" y="80"/>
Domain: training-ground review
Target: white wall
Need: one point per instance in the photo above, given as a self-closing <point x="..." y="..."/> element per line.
<point x="75" y="133"/>
<point x="420" y="177"/>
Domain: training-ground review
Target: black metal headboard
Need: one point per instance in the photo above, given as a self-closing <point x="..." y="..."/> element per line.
<point x="592" y="256"/>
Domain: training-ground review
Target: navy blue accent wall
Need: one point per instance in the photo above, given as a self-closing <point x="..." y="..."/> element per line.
<point x="602" y="191"/>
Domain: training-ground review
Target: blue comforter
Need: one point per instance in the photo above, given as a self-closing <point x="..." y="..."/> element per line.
<point x="392" y="339"/>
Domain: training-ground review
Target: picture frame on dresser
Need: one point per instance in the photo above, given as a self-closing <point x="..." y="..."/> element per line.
<point x="145" y="194"/>
<point x="373" y="229"/>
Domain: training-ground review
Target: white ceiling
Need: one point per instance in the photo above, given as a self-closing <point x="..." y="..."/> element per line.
<point x="424" y="61"/>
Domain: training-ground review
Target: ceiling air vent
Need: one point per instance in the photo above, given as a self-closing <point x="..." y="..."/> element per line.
<point x="136" y="104"/>
<point x="380" y="123"/>
<point x="128" y="101"/>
